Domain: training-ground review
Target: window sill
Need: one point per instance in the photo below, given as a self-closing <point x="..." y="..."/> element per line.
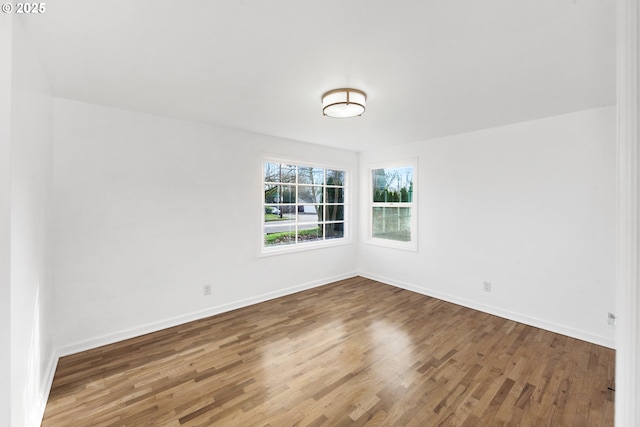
<point x="393" y="244"/>
<point x="288" y="249"/>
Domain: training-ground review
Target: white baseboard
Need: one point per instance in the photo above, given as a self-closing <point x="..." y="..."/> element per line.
<point x="179" y="320"/>
<point x="506" y="314"/>
<point x="46" y="389"/>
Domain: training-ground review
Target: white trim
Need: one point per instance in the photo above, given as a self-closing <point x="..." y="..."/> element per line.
<point x="49" y="374"/>
<point x="302" y="161"/>
<point x="223" y="308"/>
<point x="506" y="314"/>
<point x="201" y="314"/>
<point x="627" y="406"/>
<point x="408" y="246"/>
<point x="323" y="244"/>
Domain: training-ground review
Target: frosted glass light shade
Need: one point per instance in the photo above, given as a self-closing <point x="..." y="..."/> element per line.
<point x="343" y="103"/>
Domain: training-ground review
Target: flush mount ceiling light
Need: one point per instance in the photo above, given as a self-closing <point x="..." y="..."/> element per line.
<point x="343" y="103"/>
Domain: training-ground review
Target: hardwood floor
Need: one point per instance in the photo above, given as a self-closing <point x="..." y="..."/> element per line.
<point x="352" y="353"/>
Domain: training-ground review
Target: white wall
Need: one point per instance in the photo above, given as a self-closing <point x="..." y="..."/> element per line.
<point x="529" y="207"/>
<point x="6" y="36"/>
<point x="31" y="343"/>
<point x="148" y="210"/>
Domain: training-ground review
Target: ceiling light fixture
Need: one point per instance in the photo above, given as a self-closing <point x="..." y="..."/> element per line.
<point x="343" y="103"/>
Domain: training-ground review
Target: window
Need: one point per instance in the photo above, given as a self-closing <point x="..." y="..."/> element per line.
<point x="392" y="210"/>
<point x="303" y="206"/>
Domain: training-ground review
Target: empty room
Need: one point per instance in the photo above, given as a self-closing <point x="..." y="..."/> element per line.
<point x="339" y="213"/>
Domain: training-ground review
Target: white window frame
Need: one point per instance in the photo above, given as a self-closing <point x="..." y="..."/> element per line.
<point x="411" y="245"/>
<point x="303" y="246"/>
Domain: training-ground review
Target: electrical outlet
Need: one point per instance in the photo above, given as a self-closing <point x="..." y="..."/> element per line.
<point x="611" y="319"/>
<point x="207" y="290"/>
<point x="486" y="286"/>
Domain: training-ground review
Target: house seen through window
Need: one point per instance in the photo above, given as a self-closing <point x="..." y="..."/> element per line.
<point x="302" y="204"/>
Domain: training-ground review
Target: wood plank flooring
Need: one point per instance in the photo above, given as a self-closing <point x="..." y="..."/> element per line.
<point x="352" y="353"/>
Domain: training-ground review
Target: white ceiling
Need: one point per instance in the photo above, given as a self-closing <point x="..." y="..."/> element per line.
<point x="429" y="67"/>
